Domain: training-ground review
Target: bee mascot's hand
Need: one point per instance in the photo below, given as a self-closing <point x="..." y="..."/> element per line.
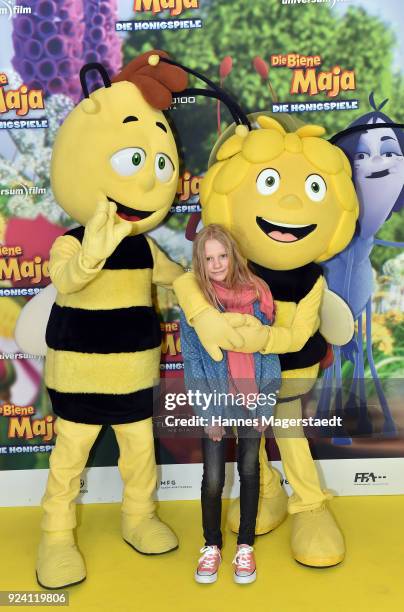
<point x="104" y="231"/>
<point x="215" y="331"/>
<point x="255" y="337"/>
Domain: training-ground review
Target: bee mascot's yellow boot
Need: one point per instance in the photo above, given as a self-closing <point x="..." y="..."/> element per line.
<point x="115" y="171"/>
<point x="289" y="201"/>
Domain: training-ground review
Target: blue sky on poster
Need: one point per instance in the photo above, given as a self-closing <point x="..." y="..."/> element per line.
<point x="390" y="11"/>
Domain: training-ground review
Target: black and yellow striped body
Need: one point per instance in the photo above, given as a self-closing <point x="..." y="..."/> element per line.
<point x="104" y="341"/>
<point x="288" y="288"/>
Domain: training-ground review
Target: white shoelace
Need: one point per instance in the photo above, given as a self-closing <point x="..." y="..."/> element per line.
<point x="242" y="558"/>
<point x="210" y="554"/>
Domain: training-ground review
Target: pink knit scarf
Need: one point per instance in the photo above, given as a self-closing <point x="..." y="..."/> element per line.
<point x="241" y="365"/>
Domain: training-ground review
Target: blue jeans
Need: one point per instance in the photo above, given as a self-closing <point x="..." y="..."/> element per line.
<point x="213" y="483"/>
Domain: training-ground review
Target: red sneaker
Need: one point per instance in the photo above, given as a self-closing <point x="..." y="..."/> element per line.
<point x="245" y="570"/>
<point x="208" y="565"/>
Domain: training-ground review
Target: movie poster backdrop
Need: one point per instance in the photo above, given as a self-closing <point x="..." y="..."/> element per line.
<point x="329" y="62"/>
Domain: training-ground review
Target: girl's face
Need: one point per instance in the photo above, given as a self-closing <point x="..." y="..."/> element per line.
<point x="216" y="260"/>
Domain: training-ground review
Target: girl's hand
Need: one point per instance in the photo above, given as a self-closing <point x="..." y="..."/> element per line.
<point x="215" y="432"/>
<point x="261" y="428"/>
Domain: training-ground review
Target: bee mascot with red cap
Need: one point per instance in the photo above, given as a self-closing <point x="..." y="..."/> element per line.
<point x="115" y="171"/>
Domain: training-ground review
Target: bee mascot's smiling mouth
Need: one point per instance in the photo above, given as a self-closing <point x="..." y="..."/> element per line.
<point x="284" y="232"/>
<point x="130" y="214"/>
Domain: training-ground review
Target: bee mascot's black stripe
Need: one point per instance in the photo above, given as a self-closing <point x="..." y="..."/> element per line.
<point x="120" y="330"/>
<point x="293" y="286"/>
<point x="131" y="254"/>
<point x="95" y="408"/>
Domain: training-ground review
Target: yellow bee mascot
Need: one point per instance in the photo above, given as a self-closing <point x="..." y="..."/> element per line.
<point x="289" y="201"/>
<point x="115" y="171"/>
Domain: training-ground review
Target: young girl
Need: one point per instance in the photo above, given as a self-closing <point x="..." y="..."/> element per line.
<point x="229" y="285"/>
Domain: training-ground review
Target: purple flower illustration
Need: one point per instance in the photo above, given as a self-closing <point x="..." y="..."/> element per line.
<point x="58" y="37"/>
<point x="101" y="43"/>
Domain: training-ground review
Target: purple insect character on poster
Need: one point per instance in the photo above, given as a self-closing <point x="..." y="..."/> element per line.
<point x="374" y="144"/>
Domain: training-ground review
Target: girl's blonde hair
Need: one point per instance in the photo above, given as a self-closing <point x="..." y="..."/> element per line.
<point x="239" y="275"/>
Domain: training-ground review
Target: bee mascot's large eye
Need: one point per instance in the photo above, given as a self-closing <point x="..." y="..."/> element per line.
<point x="163" y="167"/>
<point x="128" y="161"/>
<point x="315" y="187"/>
<point x="268" y="181"/>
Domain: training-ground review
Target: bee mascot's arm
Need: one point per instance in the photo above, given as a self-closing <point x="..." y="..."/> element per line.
<point x="165" y="271"/>
<point x="73" y="265"/>
<point x="305" y="323"/>
<point x="68" y="274"/>
<point x="190" y="296"/>
<point x="212" y="327"/>
<point x="68" y="269"/>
